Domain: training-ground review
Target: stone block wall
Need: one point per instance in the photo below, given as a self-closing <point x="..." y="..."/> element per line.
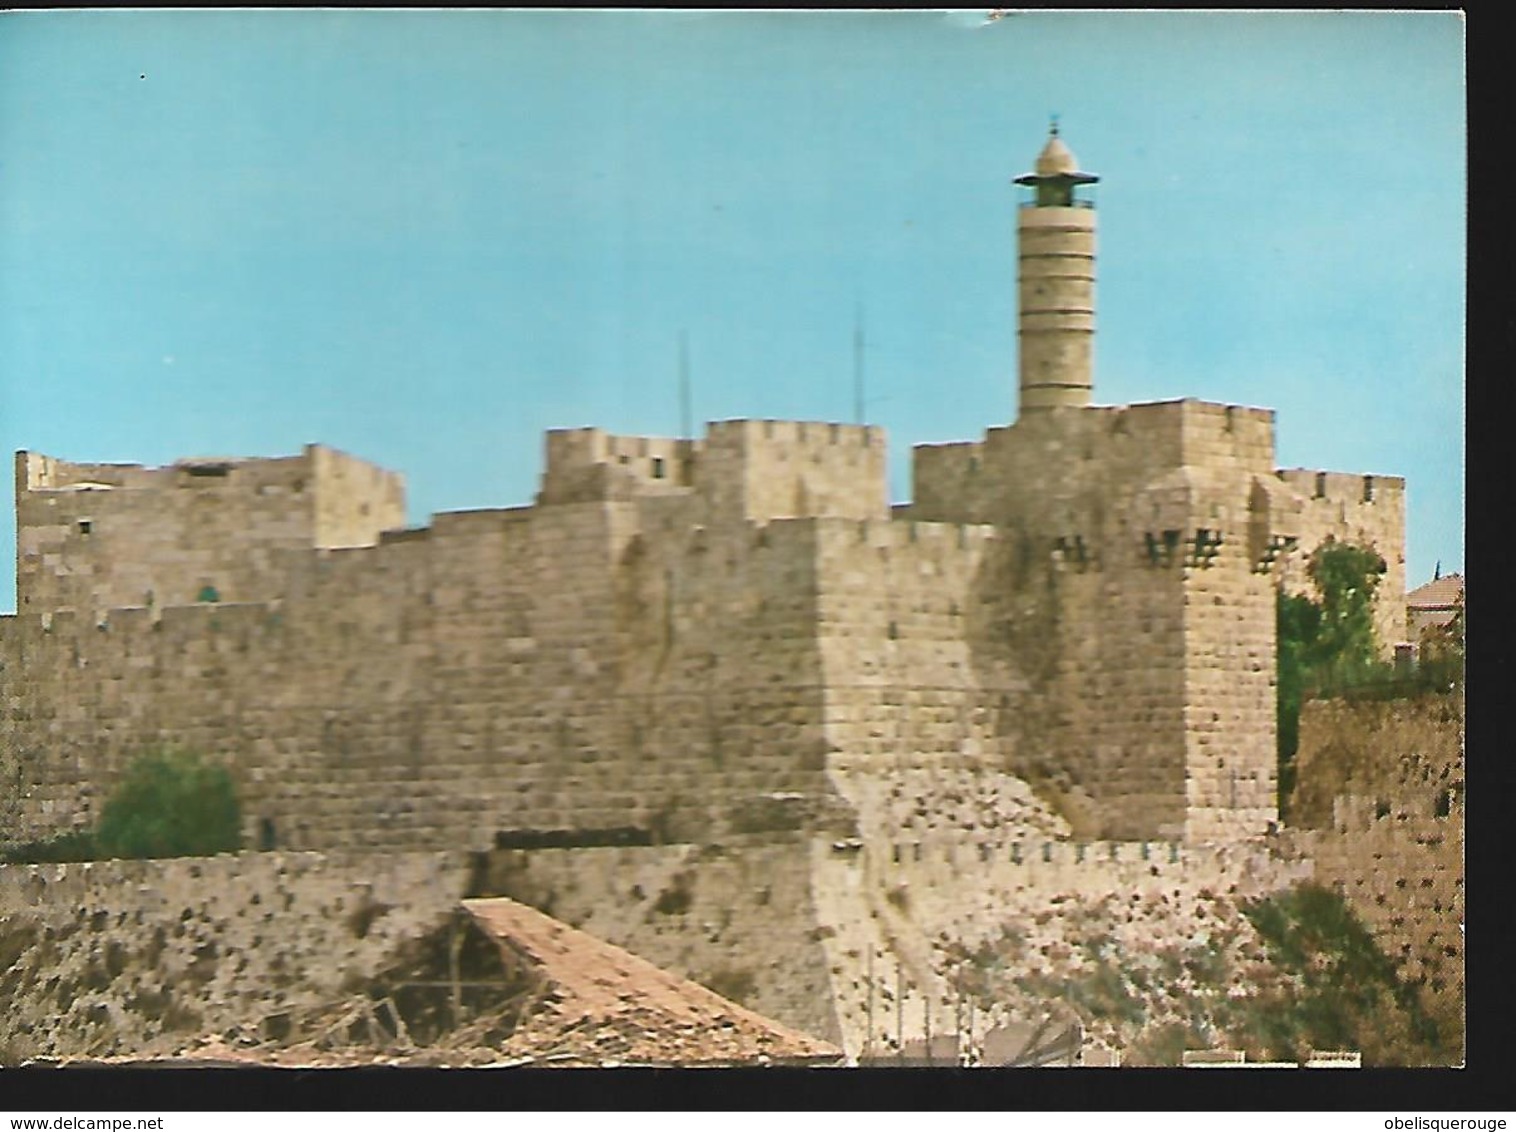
<point x="1402" y="872"/>
<point x="1144" y="547"/>
<point x="354" y="500"/>
<point x="1380" y="796"/>
<point x="742" y="471"/>
<point x="587" y="464"/>
<point x="136" y="957"/>
<point x="904" y="684"/>
<point x="737" y="917"/>
<point x="764" y="470"/>
<point x="1364" y="510"/>
<point x="92" y="537"/>
<point x="681" y="631"/>
<point x="896" y="918"/>
<point x="1127" y="573"/>
<point x="544" y="668"/>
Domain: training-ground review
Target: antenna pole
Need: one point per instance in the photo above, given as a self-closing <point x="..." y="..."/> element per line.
<point x="686" y="426"/>
<point x="858" y="399"/>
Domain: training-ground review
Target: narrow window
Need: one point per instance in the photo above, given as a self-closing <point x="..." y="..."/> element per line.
<point x="1368" y="489"/>
<point x="1321" y="485"/>
<point x="657" y="467"/>
<point x="266" y="838"/>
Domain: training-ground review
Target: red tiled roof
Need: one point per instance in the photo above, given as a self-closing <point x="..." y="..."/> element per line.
<point x="1440" y="593"/>
<point x="607" y="1004"/>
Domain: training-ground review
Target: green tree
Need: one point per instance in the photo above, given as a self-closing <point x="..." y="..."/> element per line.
<point x="1346" y="577"/>
<point x="171" y="804"/>
<point x="1324" y="642"/>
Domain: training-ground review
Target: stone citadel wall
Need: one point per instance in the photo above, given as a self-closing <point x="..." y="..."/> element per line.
<point x="1145" y="545"/>
<point x="807" y="929"/>
<point x="138" y="956"/>
<point x="100" y="536"/>
<point x="118" y="957"/>
<point x="685" y="636"/>
<point x="586" y="665"/>
<point x="1380" y="799"/>
<point x="739" y="917"/>
<point x="436" y="689"/>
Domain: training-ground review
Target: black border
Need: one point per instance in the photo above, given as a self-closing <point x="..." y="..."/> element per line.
<point x="1486" y="1084"/>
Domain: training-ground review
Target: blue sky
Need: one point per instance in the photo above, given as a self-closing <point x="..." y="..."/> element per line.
<point x="425" y="237"/>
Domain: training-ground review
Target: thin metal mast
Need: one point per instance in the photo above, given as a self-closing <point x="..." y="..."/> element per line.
<point x="686" y="424"/>
<point x="858" y="398"/>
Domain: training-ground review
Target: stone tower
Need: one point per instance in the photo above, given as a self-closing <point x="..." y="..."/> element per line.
<point x="1056" y="325"/>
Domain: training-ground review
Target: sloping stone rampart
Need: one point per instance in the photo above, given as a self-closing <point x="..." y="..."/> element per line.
<point x="116" y="957"/>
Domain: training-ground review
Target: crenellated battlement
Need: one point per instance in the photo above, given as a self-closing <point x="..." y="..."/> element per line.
<point x="1143" y="540"/>
<point x="1335" y="488"/>
<point x="812" y="436"/>
<point x="750" y="469"/>
<point x="1050" y="867"/>
<point x="1030" y="854"/>
<point x="724" y="674"/>
<point x="905" y="534"/>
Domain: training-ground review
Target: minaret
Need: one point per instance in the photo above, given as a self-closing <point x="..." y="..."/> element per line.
<point x="1056" y="282"/>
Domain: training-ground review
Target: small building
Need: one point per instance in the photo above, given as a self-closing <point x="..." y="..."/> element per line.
<point x="1433" y="604"/>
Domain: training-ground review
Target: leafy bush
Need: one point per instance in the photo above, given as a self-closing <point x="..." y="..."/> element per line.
<point x="171" y="804"/>
<point x="77" y="845"/>
<point x="1333" y="988"/>
<point x="1327" y="642"/>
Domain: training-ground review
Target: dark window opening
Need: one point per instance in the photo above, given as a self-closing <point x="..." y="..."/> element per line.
<point x="1444" y="804"/>
<point x="1321" y="485"/>
<point x="266" y="837"/>
<point x="85" y="526"/>
<point x="657" y="467"/>
<point x="209" y="470"/>
<point x="1368" y="489"/>
<point x="572" y="838"/>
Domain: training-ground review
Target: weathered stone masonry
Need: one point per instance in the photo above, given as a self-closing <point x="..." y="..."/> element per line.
<point x="661" y="652"/>
<point x="1065" y="639"/>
